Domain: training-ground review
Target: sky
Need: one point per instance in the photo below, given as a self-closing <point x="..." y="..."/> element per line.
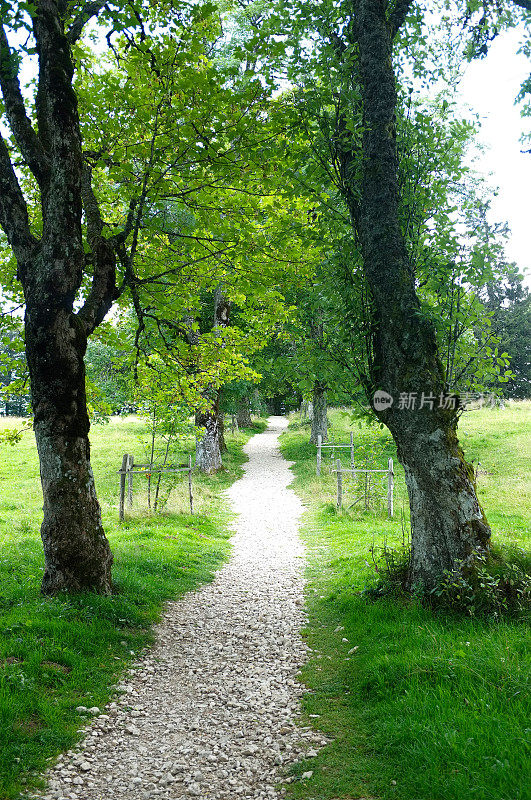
<point x="489" y="87"/>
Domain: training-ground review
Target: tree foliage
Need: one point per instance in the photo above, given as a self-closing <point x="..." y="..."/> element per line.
<point x="291" y="155"/>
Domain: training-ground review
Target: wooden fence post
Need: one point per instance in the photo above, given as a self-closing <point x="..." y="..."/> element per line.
<point x="123" y="471"/>
<point x="319" y="443"/>
<point x="130" y="464"/>
<point x="351" y="450"/>
<point x="366" y="485"/>
<point x="390" y="487"/>
<point x="339" y="484"/>
<point x="190" y="484"/>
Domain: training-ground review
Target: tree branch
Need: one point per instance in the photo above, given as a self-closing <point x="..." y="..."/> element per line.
<point x="398" y="16"/>
<point x="14" y="212"/>
<point x="121" y="237"/>
<point x="526" y="4"/>
<point x="89" y="10"/>
<point x="90" y="207"/>
<point x="25" y="136"/>
<point x="103" y="290"/>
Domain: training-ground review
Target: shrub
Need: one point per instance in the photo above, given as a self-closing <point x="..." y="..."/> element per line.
<point x="487" y="584"/>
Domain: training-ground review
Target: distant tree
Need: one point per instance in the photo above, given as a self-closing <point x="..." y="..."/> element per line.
<point x="237" y="401"/>
<point x="159" y="401"/>
<point x="508" y="302"/>
<point x="14" y="396"/>
<point x="209" y="420"/>
<point x="244" y="411"/>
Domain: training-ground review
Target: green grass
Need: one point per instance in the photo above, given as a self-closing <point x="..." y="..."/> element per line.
<point x="58" y="653"/>
<point x="428" y="706"/>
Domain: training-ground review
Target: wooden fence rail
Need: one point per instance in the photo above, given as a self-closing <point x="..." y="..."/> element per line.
<point x="129" y="468"/>
<point x="332" y="446"/>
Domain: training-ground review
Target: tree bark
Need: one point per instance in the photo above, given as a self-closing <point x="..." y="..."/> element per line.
<point x="208" y="450"/>
<point x="319" y="418"/>
<point x="447" y="521"/>
<point x="221" y="425"/>
<point x="244" y="413"/>
<point x="77" y="554"/>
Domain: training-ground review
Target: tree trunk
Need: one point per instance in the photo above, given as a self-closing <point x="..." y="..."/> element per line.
<point x="221" y="427"/>
<point x="210" y="447"/>
<point x="446" y="518"/>
<point x="77" y="554"/>
<point x="319" y="418"/>
<point x="52" y="269"/>
<point x="447" y="521"/>
<point x="207" y="448"/>
<point x="244" y="413"/>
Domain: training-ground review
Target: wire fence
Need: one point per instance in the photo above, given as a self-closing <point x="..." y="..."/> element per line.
<point x="356" y="485"/>
<point x="154" y="474"/>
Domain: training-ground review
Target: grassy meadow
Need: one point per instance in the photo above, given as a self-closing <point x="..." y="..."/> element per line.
<point x="418" y="705"/>
<point x="58" y="653"/>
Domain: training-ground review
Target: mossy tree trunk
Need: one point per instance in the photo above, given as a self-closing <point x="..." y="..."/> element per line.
<point x="447" y="521"/>
<point x="77" y="553"/>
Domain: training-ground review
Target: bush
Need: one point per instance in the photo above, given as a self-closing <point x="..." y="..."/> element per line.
<point x="488" y="584"/>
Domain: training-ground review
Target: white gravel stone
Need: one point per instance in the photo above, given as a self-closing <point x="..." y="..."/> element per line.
<point x="210" y="711"/>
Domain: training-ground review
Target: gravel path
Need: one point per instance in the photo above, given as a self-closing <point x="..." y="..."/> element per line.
<point x="210" y="711"/>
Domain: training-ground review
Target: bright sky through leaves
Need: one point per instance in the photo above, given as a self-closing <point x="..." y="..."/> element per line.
<point x="489" y="87"/>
